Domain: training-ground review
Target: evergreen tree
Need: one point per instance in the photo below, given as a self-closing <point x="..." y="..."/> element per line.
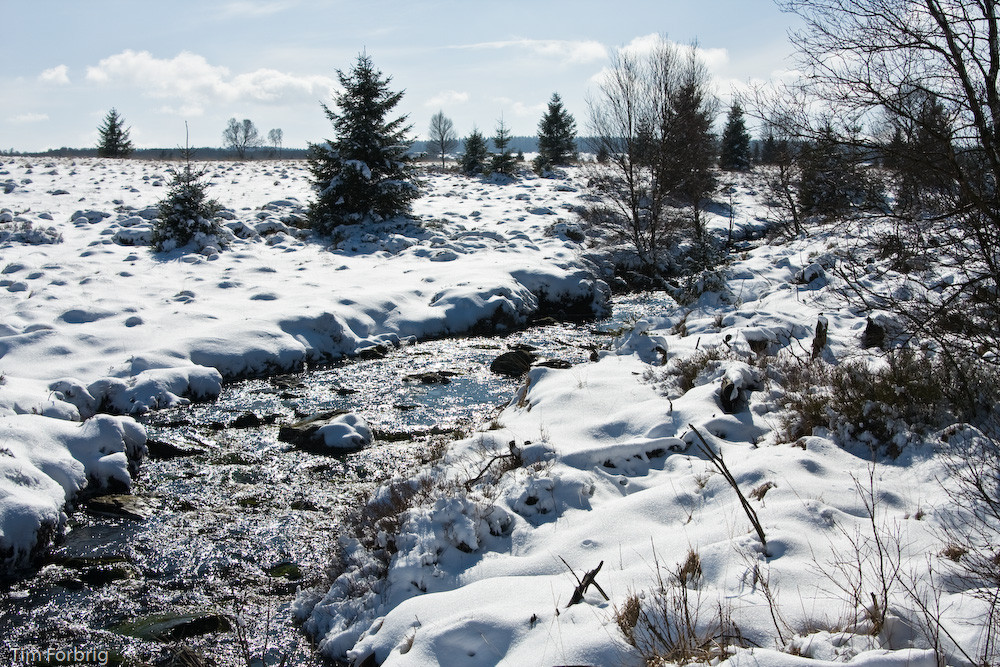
<point x="735" y="150"/>
<point x="556" y="137"/>
<point x="114" y="141"/>
<point x="769" y="151"/>
<point x="689" y="142"/>
<point x="476" y="154"/>
<point x="833" y="180"/>
<point x="186" y="214"/>
<point x="503" y="161"/>
<point x="920" y="153"/>
<point x="365" y="172"/>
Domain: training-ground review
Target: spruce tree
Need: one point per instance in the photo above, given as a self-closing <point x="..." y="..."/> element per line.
<point x="365" y="172"/>
<point x="503" y="161"/>
<point x="114" y="139"/>
<point x="556" y="137"/>
<point x="186" y="214"/>
<point x="689" y="145"/>
<point x="735" y="150"/>
<point x="476" y="154"/>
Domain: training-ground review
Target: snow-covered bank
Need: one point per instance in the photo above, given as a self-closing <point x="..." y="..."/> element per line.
<point x="477" y="560"/>
<point x="94" y="321"/>
<point x="45" y="463"/>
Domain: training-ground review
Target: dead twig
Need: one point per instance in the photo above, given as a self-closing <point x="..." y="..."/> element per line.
<point x="716" y="460"/>
<point x="583" y="584"/>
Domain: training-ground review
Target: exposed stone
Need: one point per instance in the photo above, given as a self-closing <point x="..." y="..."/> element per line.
<point x="335" y="430"/>
<point x="432" y="377"/>
<point x="163" y="449"/>
<point x="169" y="627"/>
<point x="373" y="352"/>
<point x="514" y="363"/>
<point x="560" y="364"/>
<point x="120" y="505"/>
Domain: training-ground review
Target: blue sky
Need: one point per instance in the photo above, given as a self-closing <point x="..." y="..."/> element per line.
<point x="160" y="63"/>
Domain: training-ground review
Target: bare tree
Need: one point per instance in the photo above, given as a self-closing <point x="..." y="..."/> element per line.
<point x="241" y="136"/>
<point x="442" y="137"/>
<point x="647" y="118"/>
<point x="274" y="137"/>
<point x="932" y="68"/>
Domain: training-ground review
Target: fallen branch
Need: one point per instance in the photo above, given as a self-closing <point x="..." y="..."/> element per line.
<point x="583" y="584"/>
<point x="514" y="456"/>
<point x="716" y="459"/>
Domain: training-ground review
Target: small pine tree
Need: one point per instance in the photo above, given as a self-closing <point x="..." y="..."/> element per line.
<point x="832" y="181"/>
<point x="556" y="137"/>
<point x="503" y="161"/>
<point x="114" y="139"/>
<point x="186" y="214"/>
<point x="769" y="150"/>
<point x="366" y="172"/>
<point x="476" y="154"/>
<point x="735" y="150"/>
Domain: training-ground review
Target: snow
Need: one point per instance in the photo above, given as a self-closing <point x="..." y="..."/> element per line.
<point x="348" y="431"/>
<point x="606" y="465"/>
<point x="93" y="321"/>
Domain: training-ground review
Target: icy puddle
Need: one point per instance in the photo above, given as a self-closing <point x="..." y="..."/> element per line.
<point x="227" y="522"/>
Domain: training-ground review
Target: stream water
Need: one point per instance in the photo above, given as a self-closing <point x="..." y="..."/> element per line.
<point x="227" y="522"/>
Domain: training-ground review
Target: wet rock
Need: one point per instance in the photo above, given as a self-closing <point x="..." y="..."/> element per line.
<point x="285" y="570"/>
<point x="287" y="382"/>
<point x="122" y="506"/>
<point x="251" y="420"/>
<point x="514" y="363"/>
<point x="174" y="627"/>
<point x="560" y="364"/>
<point x="373" y="352"/>
<point x="325" y="431"/>
<point x="432" y="377"/>
<point x="163" y="450"/>
<point x="98" y="577"/>
<point x="383" y="435"/>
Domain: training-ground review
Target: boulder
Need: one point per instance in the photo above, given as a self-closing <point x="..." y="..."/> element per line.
<point x="326" y="432"/>
<point x="514" y="363"/>
<point x="124" y="506"/>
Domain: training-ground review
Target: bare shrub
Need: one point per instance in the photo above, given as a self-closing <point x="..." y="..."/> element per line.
<point x="670" y="625"/>
<point x="974" y="529"/>
<point x="883" y="405"/>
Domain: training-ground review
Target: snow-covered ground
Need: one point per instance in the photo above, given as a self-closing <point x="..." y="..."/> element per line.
<point x="476" y="560"/>
<point x="94" y="321"/>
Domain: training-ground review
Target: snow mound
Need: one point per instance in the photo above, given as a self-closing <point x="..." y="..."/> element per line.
<point x="347" y="431"/>
<point x="45" y="463"/>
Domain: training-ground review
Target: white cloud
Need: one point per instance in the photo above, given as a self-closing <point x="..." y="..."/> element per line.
<point x="520" y="109"/>
<point x="566" y="51"/>
<point x="58" y="75"/>
<point x="643" y="45"/>
<point x="193" y="82"/>
<point x="29" y="118"/>
<point x="640" y="47"/>
<point x="447" y="98"/>
<point x="714" y="59"/>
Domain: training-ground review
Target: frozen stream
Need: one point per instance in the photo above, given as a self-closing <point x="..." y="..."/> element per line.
<point x="224" y="534"/>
